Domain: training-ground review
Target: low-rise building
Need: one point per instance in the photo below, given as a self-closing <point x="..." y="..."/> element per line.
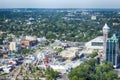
<point x="27" y="43"/>
<point x="93" y="17"/>
<point x="30" y="38"/>
<point x="59" y="68"/>
<point x="14" y="46"/>
<point x="93" y="44"/>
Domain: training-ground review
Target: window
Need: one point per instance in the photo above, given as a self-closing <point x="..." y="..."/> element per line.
<point x="97" y="44"/>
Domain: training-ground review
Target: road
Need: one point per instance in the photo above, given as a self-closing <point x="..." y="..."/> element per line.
<point x="63" y="77"/>
<point x="118" y="72"/>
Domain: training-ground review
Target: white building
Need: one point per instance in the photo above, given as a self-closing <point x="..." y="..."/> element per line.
<point x="115" y="24"/>
<point x="93" y="44"/>
<point x="12" y="46"/>
<point x="42" y="39"/>
<point x="93" y="17"/>
<point x="59" y="68"/>
<point x="96" y="43"/>
<point x="30" y="38"/>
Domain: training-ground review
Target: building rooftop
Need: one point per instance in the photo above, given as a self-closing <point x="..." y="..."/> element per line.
<point x="113" y="38"/>
<point x="70" y="52"/>
<point x="106" y="29"/>
<point x="106" y="26"/>
<point x="97" y="39"/>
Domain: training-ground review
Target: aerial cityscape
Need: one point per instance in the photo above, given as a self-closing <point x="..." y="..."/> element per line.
<point x="33" y="41"/>
<point x="59" y="40"/>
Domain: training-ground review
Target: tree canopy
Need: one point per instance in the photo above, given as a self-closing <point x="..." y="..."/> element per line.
<point x="91" y="70"/>
<point x="71" y="25"/>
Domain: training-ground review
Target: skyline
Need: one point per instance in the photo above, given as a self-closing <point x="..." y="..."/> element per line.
<point x="59" y="4"/>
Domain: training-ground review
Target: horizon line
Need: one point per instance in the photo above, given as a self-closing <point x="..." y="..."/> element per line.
<point x="59" y="8"/>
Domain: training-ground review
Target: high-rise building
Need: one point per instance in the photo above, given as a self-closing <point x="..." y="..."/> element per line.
<point x="113" y="50"/>
<point x="105" y="35"/>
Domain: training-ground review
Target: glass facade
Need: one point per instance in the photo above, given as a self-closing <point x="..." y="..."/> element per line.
<point x="113" y="50"/>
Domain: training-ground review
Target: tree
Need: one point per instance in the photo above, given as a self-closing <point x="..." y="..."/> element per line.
<point x="24" y="51"/>
<point x="53" y="74"/>
<point x="49" y="78"/>
<point x="90" y="70"/>
<point x="75" y="78"/>
<point x="93" y="54"/>
<point x="111" y="75"/>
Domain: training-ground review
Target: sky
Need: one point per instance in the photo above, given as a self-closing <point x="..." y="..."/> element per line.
<point x="59" y="3"/>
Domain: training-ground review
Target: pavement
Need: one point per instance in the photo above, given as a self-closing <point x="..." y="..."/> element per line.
<point x="64" y="76"/>
<point x="118" y="72"/>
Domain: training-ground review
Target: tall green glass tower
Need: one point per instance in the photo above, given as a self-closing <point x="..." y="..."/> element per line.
<point x="113" y="50"/>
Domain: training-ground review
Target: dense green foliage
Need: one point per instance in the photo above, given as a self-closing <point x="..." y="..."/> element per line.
<point x="90" y="70"/>
<point x="93" y="54"/>
<point x="25" y="51"/>
<point x="51" y="74"/>
<point x="62" y="24"/>
<point x="2" y="37"/>
<point x="36" y="73"/>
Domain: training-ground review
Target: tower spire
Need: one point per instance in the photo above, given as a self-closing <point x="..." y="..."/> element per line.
<point x="106" y="30"/>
